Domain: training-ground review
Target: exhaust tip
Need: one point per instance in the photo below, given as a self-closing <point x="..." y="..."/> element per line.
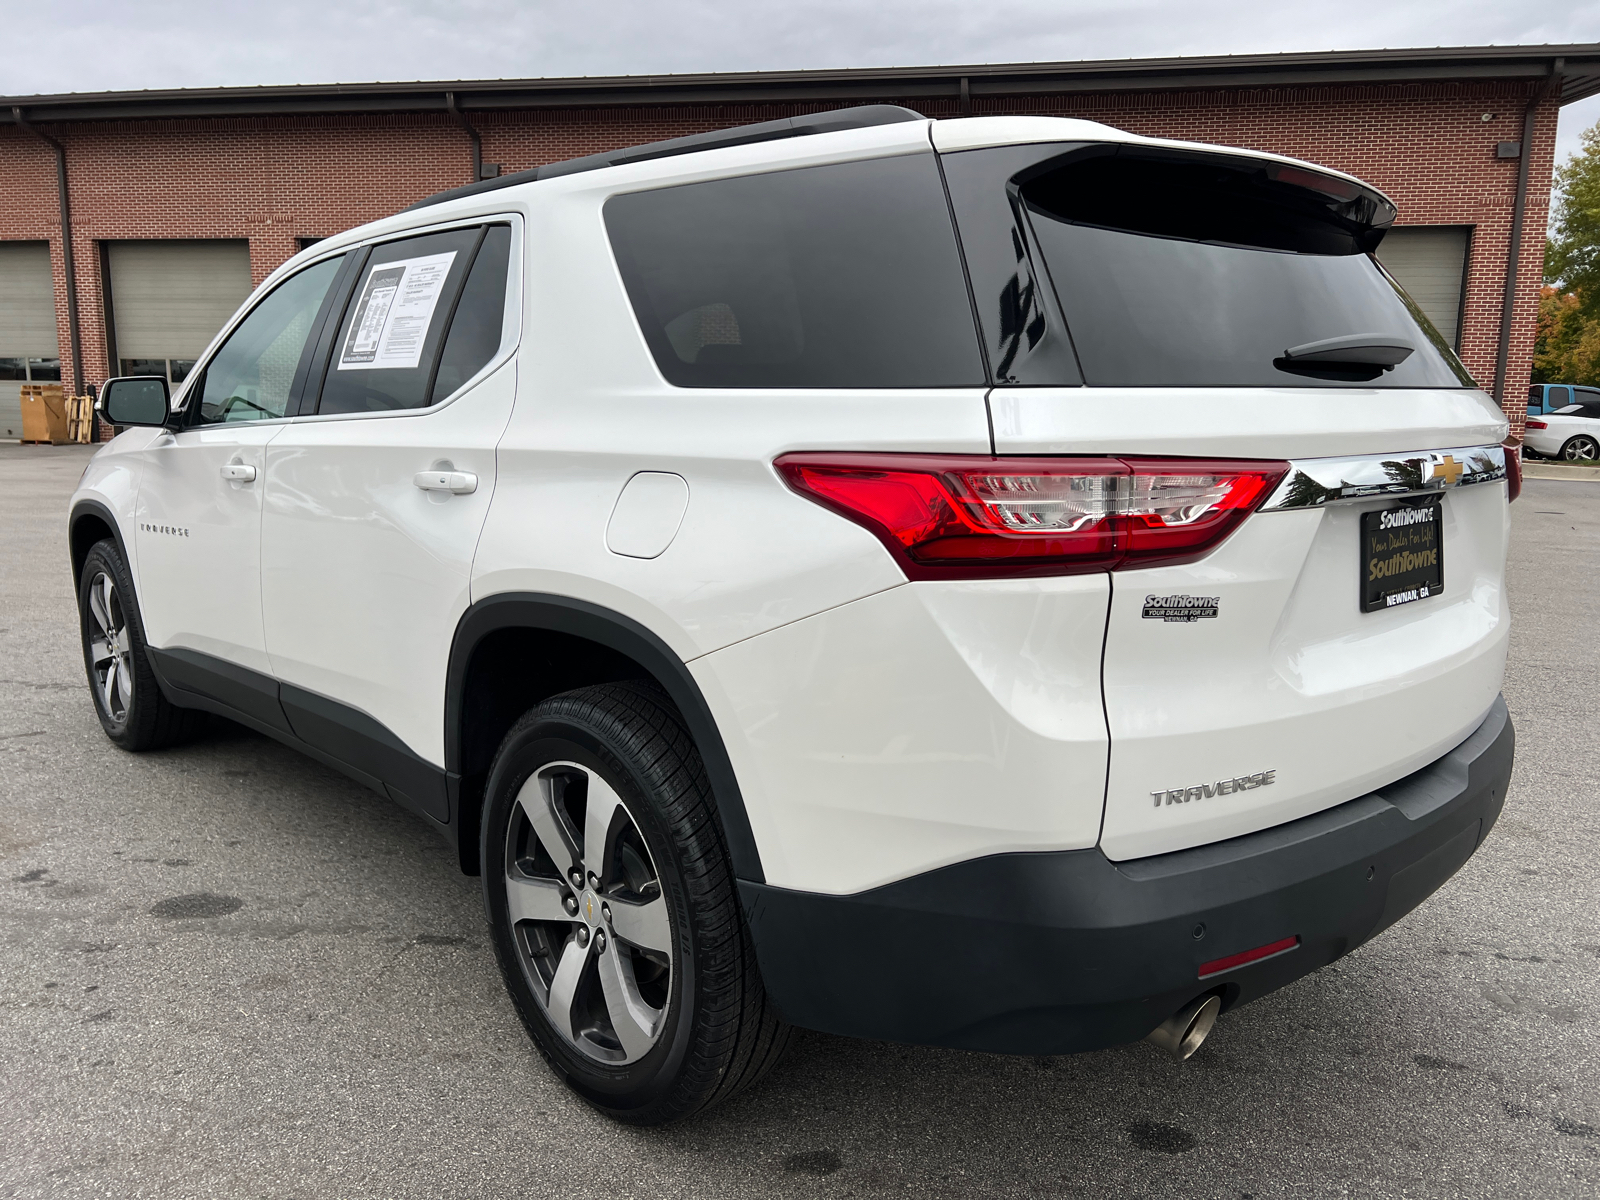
<point x="1181" y="1034"/>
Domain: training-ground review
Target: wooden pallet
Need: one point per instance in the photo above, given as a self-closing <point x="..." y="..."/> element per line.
<point x="80" y="419"/>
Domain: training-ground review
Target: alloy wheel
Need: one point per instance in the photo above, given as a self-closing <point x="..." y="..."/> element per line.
<point x="589" y="920"/>
<point x="1581" y="447"/>
<point x="110" y="647"/>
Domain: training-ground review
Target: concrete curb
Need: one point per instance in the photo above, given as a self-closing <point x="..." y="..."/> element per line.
<point x="1546" y="470"/>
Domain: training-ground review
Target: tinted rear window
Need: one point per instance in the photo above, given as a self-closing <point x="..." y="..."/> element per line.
<point x="1195" y="271"/>
<point x="843" y="276"/>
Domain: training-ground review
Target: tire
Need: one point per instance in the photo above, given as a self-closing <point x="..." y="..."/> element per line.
<point x="1581" y="447"/>
<point x="640" y="987"/>
<point x="132" y="710"/>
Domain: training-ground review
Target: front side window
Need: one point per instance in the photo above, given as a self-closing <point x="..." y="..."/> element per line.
<point x="841" y="276"/>
<point x="252" y="376"/>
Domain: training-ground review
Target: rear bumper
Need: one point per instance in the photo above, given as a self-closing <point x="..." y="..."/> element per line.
<point x="1050" y="953"/>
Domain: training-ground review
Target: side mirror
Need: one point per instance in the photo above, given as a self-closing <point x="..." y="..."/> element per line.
<point x="135" y="400"/>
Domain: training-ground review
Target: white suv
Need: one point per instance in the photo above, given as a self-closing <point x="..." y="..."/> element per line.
<point x="997" y="583"/>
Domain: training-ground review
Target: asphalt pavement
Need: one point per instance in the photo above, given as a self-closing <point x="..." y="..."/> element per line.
<point x="228" y="971"/>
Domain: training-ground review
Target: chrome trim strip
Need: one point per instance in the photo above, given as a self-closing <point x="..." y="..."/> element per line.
<point x="1317" y="482"/>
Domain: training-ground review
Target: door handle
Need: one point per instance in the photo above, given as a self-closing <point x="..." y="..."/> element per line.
<point x="239" y="472"/>
<point x="457" y="483"/>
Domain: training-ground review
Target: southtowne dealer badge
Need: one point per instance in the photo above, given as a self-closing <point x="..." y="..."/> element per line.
<point x="1180" y="608"/>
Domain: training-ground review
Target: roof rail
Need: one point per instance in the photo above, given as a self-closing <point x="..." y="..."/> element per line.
<point x="861" y="117"/>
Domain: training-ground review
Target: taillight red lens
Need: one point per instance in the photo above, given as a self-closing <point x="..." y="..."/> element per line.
<point x="973" y="517"/>
<point x="1538" y="424"/>
<point x="1514" y="470"/>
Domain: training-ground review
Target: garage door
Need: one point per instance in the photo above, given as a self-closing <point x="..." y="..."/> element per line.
<point x="1430" y="261"/>
<point x="27" y="327"/>
<point x="168" y="299"/>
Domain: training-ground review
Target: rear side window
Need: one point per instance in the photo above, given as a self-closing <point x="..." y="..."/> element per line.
<point x="475" y="332"/>
<point x="1189" y="270"/>
<point x="842" y="276"/>
<point x="395" y="320"/>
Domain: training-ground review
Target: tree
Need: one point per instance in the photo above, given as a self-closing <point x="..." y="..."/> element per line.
<point x="1572" y="256"/>
<point x="1566" y="348"/>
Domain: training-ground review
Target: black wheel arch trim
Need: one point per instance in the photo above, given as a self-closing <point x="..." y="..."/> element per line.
<point x="96" y="509"/>
<point x="609" y="628"/>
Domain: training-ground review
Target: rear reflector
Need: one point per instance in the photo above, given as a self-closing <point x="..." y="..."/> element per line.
<point x="976" y="517"/>
<point x="1218" y="965"/>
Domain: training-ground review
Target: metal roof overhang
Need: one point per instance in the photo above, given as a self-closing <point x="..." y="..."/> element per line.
<point x="1580" y="77"/>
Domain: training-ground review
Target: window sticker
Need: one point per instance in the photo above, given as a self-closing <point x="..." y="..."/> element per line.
<point x="394" y="312"/>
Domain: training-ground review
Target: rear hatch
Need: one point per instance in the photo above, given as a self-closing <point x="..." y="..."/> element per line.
<point x="1155" y="302"/>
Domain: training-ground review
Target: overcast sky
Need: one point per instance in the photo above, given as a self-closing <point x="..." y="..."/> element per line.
<point x="101" y="45"/>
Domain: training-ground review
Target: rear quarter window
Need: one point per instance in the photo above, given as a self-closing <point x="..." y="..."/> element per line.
<point x="839" y="276"/>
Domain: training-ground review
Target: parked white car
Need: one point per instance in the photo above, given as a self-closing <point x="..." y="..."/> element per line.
<point x="998" y="583"/>
<point x="1571" y="432"/>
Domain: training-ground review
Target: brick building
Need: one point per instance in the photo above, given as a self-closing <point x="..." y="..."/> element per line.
<point x="178" y="202"/>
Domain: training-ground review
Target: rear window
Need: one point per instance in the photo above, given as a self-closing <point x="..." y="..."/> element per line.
<point x="841" y="276"/>
<point x="1175" y="270"/>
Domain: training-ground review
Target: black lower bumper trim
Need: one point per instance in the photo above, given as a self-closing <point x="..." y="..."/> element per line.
<point x="1051" y="953"/>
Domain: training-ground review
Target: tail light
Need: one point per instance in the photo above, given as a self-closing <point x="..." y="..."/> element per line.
<point x="1538" y="424"/>
<point x="977" y="517"/>
<point x="1514" y="469"/>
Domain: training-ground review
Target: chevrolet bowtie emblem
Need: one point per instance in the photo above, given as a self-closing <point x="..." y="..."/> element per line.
<point x="588" y="907"/>
<point x="1447" y="469"/>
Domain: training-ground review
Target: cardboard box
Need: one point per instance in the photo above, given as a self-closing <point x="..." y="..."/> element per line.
<point x="44" y="414"/>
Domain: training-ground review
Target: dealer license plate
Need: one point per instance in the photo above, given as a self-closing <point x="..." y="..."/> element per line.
<point x="1402" y="555"/>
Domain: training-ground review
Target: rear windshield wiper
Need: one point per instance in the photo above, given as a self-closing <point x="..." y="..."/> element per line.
<point x="1364" y="349"/>
<point x="1356" y="357"/>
